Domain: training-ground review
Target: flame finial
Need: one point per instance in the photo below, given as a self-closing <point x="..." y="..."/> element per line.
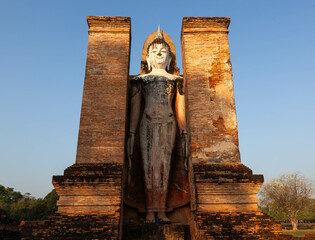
<point x="159" y="34"/>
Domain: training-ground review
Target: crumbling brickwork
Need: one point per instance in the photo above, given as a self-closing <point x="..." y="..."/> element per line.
<point x="103" y="113"/>
<point x="237" y="226"/>
<point x="89" y="189"/>
<point x="223" y="191"/>
<point x="89" y="205"/>
<point x="225" y="205"/>
<point x="210" y="95"/>
<point x="90" y="196"/>
<point x="226" y="188"/>
<point x="65" y="227"/>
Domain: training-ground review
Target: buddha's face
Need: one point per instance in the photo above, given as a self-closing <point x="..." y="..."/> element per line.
<point x="159" y="57"/>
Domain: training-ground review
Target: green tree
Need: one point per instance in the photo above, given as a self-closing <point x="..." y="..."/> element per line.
<point x="26" y="207"/>
<point x="286" y="197"/>
<point x="308" y="213"/>
<point x="8" y="195"/>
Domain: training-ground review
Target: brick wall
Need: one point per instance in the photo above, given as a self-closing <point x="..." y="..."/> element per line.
<point x="90" y="189"/>
<point x="79" y="227"/>
<point x="226" y="188"/>
<point x="242" y="226"/>
<point x="102" y="124"/>
<point x="90" y="195"/>
<point x="210" y="94"/>
<point x="225" y="204"/>
<point x="223" y="191"/>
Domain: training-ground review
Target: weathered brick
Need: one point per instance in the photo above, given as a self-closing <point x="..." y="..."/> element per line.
<point x="210" y="95"/>
<point x="103" y="113"/>
<point x="87" y="188"/>
<point x="90" y="196"/>
<point x="223" y="191"/>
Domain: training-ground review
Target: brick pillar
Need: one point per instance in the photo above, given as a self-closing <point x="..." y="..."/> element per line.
<point x="90" y="191"/>
<point x="103" y="113"/>
<point x="210" y="94"/>
<point x="93" y="185"/>
<point x="223" y="191"/>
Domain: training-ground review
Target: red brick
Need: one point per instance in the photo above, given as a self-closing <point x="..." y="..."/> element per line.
<point x="103" y="113"/>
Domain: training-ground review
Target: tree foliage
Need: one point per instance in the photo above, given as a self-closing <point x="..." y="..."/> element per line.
<point x="8" y="195"/>
<point x="26" y="207"/>
<point x="308" y="213"/>
<point x="286" y="197"/>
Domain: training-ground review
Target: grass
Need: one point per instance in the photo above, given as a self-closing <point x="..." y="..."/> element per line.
<point x="299" y="233"/>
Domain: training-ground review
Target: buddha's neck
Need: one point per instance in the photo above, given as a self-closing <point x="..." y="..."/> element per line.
<point x="161" y="72"/>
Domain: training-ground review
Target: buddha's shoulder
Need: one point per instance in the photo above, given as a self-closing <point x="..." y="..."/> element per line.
<point x="151" y="76"/>
<point x="136" y="78"/>
<point x="140" y="78"/>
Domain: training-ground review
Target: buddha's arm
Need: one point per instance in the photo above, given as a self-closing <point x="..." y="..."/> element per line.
<point x="181" y="120"/>
<point x="180" y="110"/>
<point x="135" y="105"/>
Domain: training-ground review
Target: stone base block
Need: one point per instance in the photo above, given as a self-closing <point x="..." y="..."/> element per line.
<point x="87" y="189"/>
<point x="225" y="188"/>
<point x="89" y="205"/>
<point x="225" y="204"/>
<point x="63" y="227"/>
<point x="237" y="226"/>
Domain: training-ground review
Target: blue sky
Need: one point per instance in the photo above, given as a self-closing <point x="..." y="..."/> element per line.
<point x="43" y="46"/>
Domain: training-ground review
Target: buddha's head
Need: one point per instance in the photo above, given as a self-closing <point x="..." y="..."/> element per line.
<point x="158" y="53"/>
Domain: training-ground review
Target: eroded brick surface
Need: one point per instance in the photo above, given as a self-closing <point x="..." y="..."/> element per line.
<point x="225" y="204"/>
<point x="225" y="188"/>
<point x="65" y="227"/>
<point x="89" y="205"/>
<point x="90" y="196"/>
<point x="210" y="95"/>
<point x="223" y="191"/>
<point x="89" y="189"/>
<point x="242" y="226"/>
<point x="103" y="113"/>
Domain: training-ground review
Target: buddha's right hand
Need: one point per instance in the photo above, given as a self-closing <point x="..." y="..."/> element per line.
<point x="130" y="145"/>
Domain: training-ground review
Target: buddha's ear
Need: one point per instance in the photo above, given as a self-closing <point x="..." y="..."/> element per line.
<point x="148" y="62"/>
<point x="169" y="63"/>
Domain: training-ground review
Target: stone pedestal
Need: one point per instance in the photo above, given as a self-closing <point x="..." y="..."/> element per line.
<point x="86" y="189"/>
<point x="71" y="227"/>
<point x="225" y="205"/>
<point x="89" y="205"/>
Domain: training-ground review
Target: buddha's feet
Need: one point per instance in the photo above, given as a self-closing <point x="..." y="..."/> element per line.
<point x="163" y="218"/>
<point x="149" y="218"/>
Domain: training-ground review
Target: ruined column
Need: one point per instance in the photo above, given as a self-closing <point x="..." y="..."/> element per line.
<point x="90" y="191"/>
<point x="223" y="191"/>
<point x="103" y="113"/>
<point x="208" y="73"/>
